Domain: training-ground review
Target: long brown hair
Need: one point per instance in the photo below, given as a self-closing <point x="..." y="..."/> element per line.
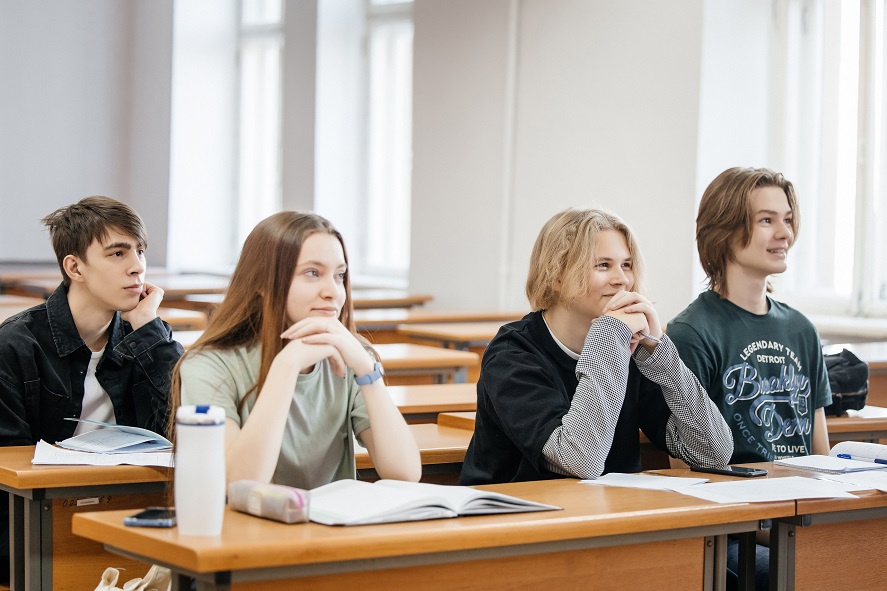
<point x="725" y="220"/>
<point x="254" y="309"/>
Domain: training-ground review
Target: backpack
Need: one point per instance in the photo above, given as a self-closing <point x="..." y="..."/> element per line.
<point x="849" y="378"/>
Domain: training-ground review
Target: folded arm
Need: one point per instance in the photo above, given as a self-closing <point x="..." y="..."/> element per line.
<point x="581" y="444"/>
<point x="696" y="431"/>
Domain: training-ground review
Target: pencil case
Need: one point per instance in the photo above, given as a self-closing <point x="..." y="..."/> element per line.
<point x="271" y="501"/>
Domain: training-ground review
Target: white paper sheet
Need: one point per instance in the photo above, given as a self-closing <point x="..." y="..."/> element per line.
<point x="756" y="490"/>
<point x="45" y="453"/>
<point x="646" y="481"/>
<point x="829" y="464"/>
<point x="871" y="480"/>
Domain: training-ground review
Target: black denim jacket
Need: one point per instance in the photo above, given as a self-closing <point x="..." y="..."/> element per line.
<point x="43" y="363"/>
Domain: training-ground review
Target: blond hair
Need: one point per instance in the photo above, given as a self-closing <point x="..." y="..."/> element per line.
<point x="565" y="251"/>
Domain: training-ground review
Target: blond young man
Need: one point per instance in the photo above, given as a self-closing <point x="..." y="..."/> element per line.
<point x="563" y="391"/>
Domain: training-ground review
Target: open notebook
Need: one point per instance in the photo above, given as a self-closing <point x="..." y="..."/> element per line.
<point x="355" y="502"/>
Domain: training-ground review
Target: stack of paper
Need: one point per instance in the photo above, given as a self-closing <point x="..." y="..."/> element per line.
<point x="49" y="454"/>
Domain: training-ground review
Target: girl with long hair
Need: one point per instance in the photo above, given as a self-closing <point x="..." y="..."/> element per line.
<point x="282" y="357"/>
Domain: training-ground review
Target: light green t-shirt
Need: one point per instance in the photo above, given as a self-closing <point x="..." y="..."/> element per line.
<point x="326" y="410"/>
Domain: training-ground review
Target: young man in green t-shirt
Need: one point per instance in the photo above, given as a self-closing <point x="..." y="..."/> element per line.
<point x="759" y="359"/>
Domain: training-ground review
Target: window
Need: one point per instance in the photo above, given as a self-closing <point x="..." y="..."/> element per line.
<point x="364" y="147"/>
<point x="226" y="171"/>
<point x="261" y="41"/>
<point x="831" y="141"/>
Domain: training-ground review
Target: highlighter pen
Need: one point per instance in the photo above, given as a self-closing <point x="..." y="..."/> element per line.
<point x="875" y="460"/>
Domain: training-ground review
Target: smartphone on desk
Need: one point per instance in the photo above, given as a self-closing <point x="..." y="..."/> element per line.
<point x="731" y="471"/>
<point x="152" y="517"/>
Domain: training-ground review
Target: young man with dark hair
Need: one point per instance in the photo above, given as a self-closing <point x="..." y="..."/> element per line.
<point x="759" y="359"/>
<point x="96" y="348"/>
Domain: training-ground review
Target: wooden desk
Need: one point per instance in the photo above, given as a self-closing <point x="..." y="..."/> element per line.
<point x="458" y="420"/>
<point x="453" y="335"/>
<point x="606" y="537"/>
<point x="868" y="424"/>
<point x="380" y="325"/>
<point x="173" y="285"/>
<point x="204" y="302"/>
<point x="831" y="544"/>
<point x="369" y="300"/>
<point x="43" y="499"/>
<point x="407" y="363"/>
<point x="186" y="337"/>
<point x="387" y="298"/>
<point x="23" y="302"/>
<point x="441" y="448"/>
<point x="463" y="336"/>
<point x="10" y="305"/>
<point x="10" y="273"/>
<point x="182" y="319"/>
<point x="422" y="403"/>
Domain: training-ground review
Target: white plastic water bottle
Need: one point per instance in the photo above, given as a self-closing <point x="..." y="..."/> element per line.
<point x="200" y="470"/>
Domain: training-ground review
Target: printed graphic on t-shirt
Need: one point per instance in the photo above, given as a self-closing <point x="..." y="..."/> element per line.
<point x="768" y="395"/>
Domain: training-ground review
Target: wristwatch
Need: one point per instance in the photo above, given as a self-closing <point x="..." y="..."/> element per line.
<point x="370" y="377"/>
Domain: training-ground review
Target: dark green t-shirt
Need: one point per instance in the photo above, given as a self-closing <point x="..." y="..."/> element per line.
<point x="765" y="372"/>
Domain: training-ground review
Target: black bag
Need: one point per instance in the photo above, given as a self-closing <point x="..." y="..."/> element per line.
<point x="849" y="378"/>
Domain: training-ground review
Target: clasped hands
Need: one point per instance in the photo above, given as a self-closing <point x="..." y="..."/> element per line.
<point x="638" y="313"/>
<point x="316" y="338"/>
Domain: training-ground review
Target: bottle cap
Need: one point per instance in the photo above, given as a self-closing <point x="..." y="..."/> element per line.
<point x="201" y="414"/>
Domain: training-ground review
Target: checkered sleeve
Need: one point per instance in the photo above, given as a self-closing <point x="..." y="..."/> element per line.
<point x="696" y="431"/>
<point x="580" y="445"/>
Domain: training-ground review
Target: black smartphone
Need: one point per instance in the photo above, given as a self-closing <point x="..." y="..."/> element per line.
<point x="152" y="517"/>
<point x="732" y="470"/>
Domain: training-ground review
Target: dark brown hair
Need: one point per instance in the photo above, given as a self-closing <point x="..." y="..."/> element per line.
<point x="73" y="228"/>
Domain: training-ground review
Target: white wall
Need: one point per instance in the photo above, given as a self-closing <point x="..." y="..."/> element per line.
<point x="339" y="132"/>
<point x="202" y="222"/>
<point x="734" y="110"/>
<point x="521" y="108"/>
<point x="85" y="89"/>
<point x="525" y="107"/>
<point x="459" y="92"/>
<point x="607" y="98"/>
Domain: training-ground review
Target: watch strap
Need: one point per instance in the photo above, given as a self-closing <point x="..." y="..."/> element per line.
<point x="366" y="380"/>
